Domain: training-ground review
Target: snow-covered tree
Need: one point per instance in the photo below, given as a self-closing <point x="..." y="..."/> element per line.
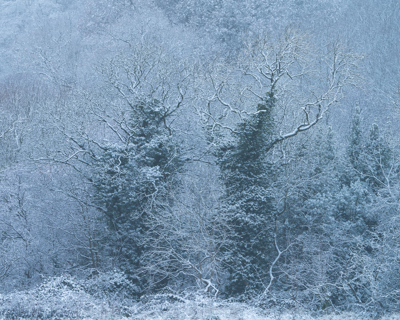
<point x="134" y="180"/>
<point x="247" y="175"/>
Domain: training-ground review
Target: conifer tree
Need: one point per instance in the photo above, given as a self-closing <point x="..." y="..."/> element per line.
<point x="355" y="148"/>
<point x="134" y="180"/>
<point x="378" y="159"/>
<point x="247" y="176"/>
<point x="369" y="155"/>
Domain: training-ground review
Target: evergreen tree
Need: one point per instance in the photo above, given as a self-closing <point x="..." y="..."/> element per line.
<point x="134" y="180"/>
<point x="369" y="156"/>
<point x="247" y="176"/>
<point x="369" y="159"/>
<point x="378" y="158"/>
<point x="353" y="196"/>
<point x="355" y="148"/>
<point x="310" y="213"/>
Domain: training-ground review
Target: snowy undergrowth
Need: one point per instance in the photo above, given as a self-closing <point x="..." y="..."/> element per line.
<point x="65" y="297"/>
<point x="68" y="298"/>
<point x="208" y="310"/>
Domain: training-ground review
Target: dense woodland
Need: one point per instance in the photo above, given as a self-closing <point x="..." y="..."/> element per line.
<point x="240" y="151"/>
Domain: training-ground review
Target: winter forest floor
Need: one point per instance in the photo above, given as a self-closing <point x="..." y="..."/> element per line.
<point x="78" y="309"/>
<point x="63" y="298"/>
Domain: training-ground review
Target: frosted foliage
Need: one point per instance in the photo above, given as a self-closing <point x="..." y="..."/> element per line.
<point x="66" y="298"/>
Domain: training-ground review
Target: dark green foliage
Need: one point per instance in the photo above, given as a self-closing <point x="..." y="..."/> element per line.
<point x="134" y="180"/>
<point x="247" y="176"/>
<point x="354" y="196"/>
<point x="310" y="213"/>
<point x="363" y="173"/>
<point x="356" y="146"/>
<point x="370" y="156"/>
<point x="378" y="159"/>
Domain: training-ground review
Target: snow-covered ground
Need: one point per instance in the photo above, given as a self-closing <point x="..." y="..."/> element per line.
<point x="68" y="298"/>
